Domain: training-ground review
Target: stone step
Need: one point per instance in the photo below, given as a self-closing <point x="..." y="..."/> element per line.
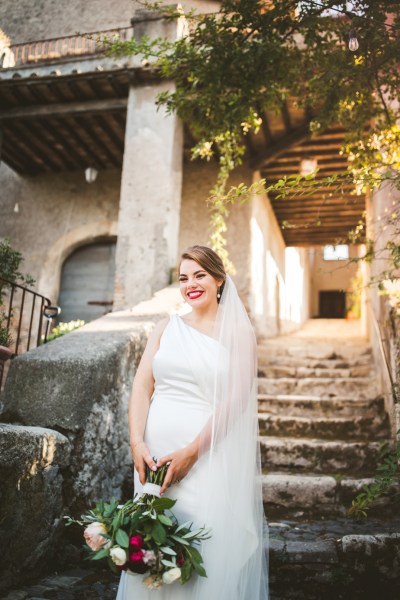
<point x="298" y="495"/>
<point x="326" y="427"/>
<point x="319" y="386"/>
<point x="277" y="371"/>
<point x="266" y="360"/>
<point x="318" y="456"/>
<point x="314" y="350"/>
<point x="334" y="559"/>
<point x="304" y="406"/>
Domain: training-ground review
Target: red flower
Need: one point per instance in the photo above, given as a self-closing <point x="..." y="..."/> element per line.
<point x="136" y="563"/>
<point x="180" y="561"/>
<point x="136" y="557"/>
<point x="136" y="542"/>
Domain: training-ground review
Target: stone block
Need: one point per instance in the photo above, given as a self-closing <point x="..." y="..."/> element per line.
<point x="318" y="456"/>
<point x="320" y="551"/>
<point x="298" y="491"/>
<point x="378" y="553"/>
<point x="31" y="499"/>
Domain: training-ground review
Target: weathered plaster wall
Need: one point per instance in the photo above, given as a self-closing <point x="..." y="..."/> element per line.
<point x="57" y="213"/>
<point x="25" y="21"/>
<point x="379" y="205"/>
<point x="330" y="274"/>
<point x="64" y="440"/>
<point x="198" y="179"/>
<point x="279" y="288"/>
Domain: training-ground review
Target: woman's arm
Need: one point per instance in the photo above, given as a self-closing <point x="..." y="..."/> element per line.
<point x="139" y="403"/>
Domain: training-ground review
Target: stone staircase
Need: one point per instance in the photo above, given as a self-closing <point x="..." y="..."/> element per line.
<point x="322" y="423"/>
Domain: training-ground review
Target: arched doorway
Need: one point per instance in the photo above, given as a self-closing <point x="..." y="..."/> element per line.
<point x="87" y="282"/>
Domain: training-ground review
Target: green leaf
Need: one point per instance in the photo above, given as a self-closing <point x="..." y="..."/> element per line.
<point x="168" y="550"/>
<point x="186" y="525"/>
<point x="186" y="571"/>
<point x="158" y="533"/>
<point x="122" y="538"/>
<point x="199" y="570"/>
<point x="194" y="554"/>
<point x="160" y="504"/>
<point x="100" y="554"/>
<point x="179" y="540"/>
<point x="168" y="563"/>
<point x="165" y="520"/>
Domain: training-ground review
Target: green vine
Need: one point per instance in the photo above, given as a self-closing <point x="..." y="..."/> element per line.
<point x="387" y="482"/>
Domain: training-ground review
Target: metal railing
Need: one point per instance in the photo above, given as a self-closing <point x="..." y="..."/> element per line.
<point x="54" y="49"/>
<point x="25" y="319"/>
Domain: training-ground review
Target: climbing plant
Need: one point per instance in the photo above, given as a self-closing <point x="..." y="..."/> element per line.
<point x="252" y="54"/>
<point x="10" y="262"/>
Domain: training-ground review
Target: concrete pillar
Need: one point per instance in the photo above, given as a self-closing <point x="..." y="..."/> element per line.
<point x="150" y="200"/>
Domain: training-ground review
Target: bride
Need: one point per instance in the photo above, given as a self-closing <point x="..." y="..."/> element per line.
<point x="194" y="405"/>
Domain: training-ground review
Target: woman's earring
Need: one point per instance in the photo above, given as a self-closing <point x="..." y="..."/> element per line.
<point x="218" y="294"/>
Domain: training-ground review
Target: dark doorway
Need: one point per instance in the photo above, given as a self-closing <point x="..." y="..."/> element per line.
<point x="332" y="304"/>
<point x="87" y="282"/>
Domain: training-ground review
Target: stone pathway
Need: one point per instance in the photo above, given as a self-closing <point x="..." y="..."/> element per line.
<point x="321" y="424"/>
<point x="74" y="584"/>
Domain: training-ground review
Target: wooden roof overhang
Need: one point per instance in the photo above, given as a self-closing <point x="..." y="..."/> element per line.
<point x="325" y="217"/>
<point x="53" y="122"/>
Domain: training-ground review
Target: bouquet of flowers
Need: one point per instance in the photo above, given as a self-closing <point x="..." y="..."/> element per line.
<point x="143" y="536"/>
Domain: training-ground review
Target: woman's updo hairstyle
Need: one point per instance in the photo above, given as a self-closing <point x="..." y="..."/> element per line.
<point x="209" y="261"/>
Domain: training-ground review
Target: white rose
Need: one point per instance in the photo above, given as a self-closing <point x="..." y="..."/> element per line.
<point x="118" y="555"/>
<point x="171" y="575"/>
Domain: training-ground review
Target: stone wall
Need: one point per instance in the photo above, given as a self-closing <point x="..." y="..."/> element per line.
<point x="198" y="179"/>
<point x="56" y="214"/>
<point x="64" y="440"/>
<point x="25" y="21"/>
<point x="379" y="205"/>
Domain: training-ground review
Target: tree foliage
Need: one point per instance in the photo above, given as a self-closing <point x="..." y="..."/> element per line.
<point x="252" y="54"/>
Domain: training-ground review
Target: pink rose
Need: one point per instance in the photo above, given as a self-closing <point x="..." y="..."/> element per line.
<point x="149" y="558"/>
<point x="136" y="542"/>
<point x="93" y="535"/>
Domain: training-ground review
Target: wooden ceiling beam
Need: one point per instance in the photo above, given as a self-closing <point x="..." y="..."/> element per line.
<point x="77" y="151"/>
<point x="94" y="132"/>
<point x="93" y="159"/>
<point x="114" y="139"/>
<point x="67" y="108"/>
<point x="327" y="214"/>
<point x="56" y="145"/>
<point x="25" y="152"/>
<point x="280" y="147"/>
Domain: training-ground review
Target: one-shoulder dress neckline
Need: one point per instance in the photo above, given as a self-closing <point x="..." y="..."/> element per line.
<point x="210" y="337"/>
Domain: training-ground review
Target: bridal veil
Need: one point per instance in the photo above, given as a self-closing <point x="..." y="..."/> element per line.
<point x="231" y="490"/>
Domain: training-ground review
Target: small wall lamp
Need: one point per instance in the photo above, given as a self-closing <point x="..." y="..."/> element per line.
<point x="91" y="174"/>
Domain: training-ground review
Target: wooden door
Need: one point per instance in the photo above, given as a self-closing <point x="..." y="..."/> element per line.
<point x="87" y="282"/>
<point x="332" y="304"/>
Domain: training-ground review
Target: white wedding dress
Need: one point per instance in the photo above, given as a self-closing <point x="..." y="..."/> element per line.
<point x="198" y="376"/>
<point x="178" y="411"/>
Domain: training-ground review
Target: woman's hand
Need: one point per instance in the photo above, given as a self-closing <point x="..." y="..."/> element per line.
<point x="181" y="461"/>
<point x="141" y="458"/>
